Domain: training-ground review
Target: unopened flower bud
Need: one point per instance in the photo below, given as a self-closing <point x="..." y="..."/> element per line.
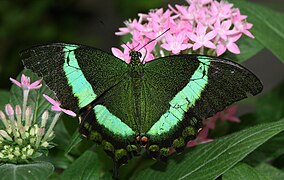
<point x="9" y="110"/>
<point x="3" y="118"/>
<point x="40" y="132"/>
<point x="18" y="114"/>
<point x="44" y="118"/>
<point x="5" y="135"/>
<point x="45" y="144"/>
<point x="30" y="152"/>
<point x="10" y="156"/>
<point x="23" y="157"/>
<point x="32" y="131"/>
<point x="28" y="116"/>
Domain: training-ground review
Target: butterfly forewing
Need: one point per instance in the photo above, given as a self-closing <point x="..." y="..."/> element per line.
<point x="77" y="74"/>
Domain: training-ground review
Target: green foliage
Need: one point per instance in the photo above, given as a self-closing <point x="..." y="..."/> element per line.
<point x="32" y="171"/>
<point x="4" y="98"/>
<point x="268" y="26"/>
<point x="86" y="166"/>
<point x="244" y="171"/>
<point x="213" y="159"/>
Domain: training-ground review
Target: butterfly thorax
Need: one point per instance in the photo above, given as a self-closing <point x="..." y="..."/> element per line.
<point x="136" y="67"/>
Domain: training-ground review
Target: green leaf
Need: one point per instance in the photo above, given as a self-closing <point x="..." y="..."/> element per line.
<point x="211" y="160"/>
<point x="33" y="171"/>
<point x="270" y="107"/>
<point x="244" y="171"/>
<point x="268" y="25"/>
<point x="270" y="171"/>
<point x="87" y="166"/>
<point x="4" y="98"/>
<point x="61" y="136"/>
<point x="38" y="103"/>
<point x="74" y="141"/>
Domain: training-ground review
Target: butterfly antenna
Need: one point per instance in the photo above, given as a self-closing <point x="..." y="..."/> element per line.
<point x="126" y="45"/>
<point x="154" y="39"/>
<point x="136" y="46"/>
<point x="145" y="54"/>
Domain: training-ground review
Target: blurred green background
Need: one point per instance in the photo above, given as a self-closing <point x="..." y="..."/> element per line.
<point x="26" y="23"/>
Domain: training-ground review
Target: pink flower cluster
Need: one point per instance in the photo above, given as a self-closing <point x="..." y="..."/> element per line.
<point x="203" y="27"/>
<point x="227" y="115"/>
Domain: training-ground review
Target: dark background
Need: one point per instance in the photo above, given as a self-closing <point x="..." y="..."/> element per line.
<point x="26" y="23"/>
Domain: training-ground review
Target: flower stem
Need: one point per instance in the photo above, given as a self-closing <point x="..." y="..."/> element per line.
<point x="55" y="119"/>
<point x="25" y="100"/>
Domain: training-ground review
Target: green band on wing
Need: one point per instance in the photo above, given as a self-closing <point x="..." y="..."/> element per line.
<point x="183" y="100"/>
<point x="111" y="122"/>
<point x="81" y="88"/>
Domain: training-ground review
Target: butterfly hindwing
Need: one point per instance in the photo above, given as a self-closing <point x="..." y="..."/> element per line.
<point x="77" y="74"/>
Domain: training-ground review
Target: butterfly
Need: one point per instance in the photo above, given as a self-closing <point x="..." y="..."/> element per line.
<point x="156" y="105"/>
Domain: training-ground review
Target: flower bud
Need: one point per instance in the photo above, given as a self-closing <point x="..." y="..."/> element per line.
<point x="10" y="156"/>
<point x="3" y="118"/>
<point x="44" y="118"/>
<point x="9" y="110"/>
<point x="45" y="144"/>
<point x="30" y="152"/>
<point x="28" y="116"/>
<point x="18" y="114"/>
<point x="5" y="135"/>
<point x="23" y="157"/>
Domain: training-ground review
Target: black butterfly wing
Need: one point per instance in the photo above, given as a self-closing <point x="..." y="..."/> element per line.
<point x="77" y="74"/>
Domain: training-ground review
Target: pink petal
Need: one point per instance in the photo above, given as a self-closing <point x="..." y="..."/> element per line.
<point x="166" y="47"/>
<point x="233" y="47"/>
<point x="35" y="85"/>
<point x="23" y="78"/>
<point x="233" y="119"/>
<point x="234" y="38"/>
<point x="192" y="36"/>
<point x="200" y="30"/>
<point x="69" y="112"/>
<point x="220" y="49"/>
<point x="15" y="82"/>
<point x="52" y="101"/>
<point x="249" y="34"/>
<point x="184" y="46"/>
<point x="196" y="45"/>
<point x="56" y="108"/>
<point x="227" y="24"/>
<point x="209" y="44"/>
<point x="210" y="35"/>
<point x="118" y="53"/>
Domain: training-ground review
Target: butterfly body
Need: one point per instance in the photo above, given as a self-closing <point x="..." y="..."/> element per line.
<point x="126" y="107"/>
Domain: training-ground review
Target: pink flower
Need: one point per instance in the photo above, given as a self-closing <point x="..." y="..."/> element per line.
<point x="56" y="106"/>
<point x="201" y="138"/>
<point x="229" y="44"/>
<point x="228" y="114"/>
<point x="130" y="27"/>
<point x="122" y="55"/>
<point x="222" y="29"/>
<point x="221" y="10"/>
<point x="201" y="38"/>
<point x="175" y="44"/>
<point x="25" y="83"/>
<point x="205" y="23"/>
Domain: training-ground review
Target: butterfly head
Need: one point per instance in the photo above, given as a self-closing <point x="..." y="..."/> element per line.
<point x="135" y="57"/>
